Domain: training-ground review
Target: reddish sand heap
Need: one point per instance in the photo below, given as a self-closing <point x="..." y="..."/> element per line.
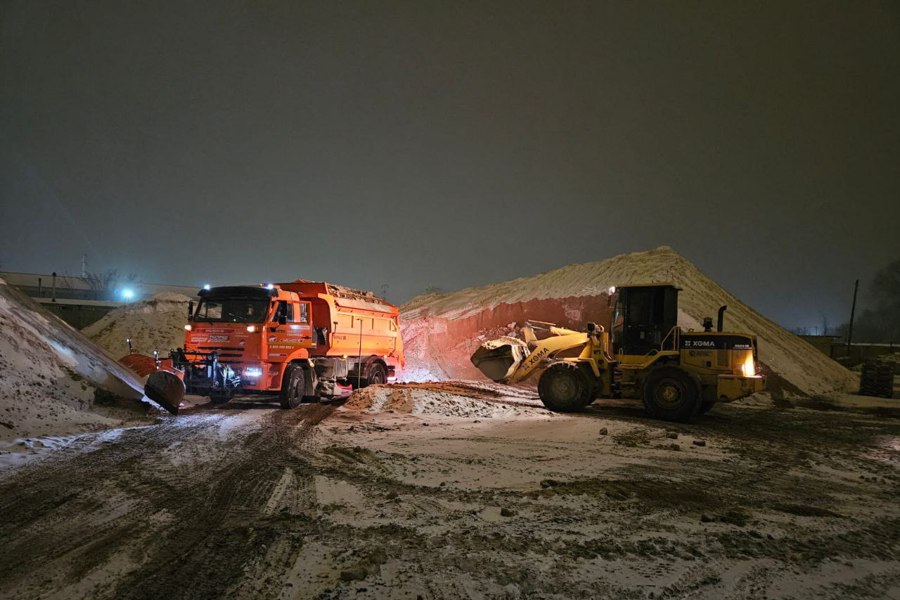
<point x="441" y="331"/>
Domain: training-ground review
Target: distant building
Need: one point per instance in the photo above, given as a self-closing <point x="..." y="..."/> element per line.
<point x="81" y="301"/>
<point x="836" y="348"/>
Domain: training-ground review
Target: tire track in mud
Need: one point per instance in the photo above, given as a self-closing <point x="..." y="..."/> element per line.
<point x="222" y="525"/>
<point x="186" y="530"/>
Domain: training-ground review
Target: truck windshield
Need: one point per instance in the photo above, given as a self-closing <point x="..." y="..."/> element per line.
<point x="232" y="310"/>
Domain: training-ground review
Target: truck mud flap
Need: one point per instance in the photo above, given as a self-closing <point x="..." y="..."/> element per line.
<point x="166" y="389"/>
<point x="498" y="359"/>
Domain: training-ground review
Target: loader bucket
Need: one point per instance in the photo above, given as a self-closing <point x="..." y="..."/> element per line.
<point x="166" y="389"/>
<point x="498" y="359"/>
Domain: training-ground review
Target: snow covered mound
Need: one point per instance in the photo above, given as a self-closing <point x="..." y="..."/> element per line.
<point x="154" y="324"/>
<point x="53" y="380"/>
<point x="449" y="399"/>
<point x="441" y="331"/>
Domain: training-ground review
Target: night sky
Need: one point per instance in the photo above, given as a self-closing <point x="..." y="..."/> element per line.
<point x="453" y="144"/>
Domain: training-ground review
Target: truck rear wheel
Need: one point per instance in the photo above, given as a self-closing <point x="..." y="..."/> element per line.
<point x="376" y="374"/>
<point x="564" y="387"/>
<point x="671" y="395"/>
<point x="293" y="387"/>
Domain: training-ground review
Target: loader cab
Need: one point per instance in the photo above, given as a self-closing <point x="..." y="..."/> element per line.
<point x="644" y="316"/>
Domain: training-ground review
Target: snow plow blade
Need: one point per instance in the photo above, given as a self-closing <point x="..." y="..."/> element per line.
<point x="166" y="389"/>
<point x="498" y="359"/>
<point x="163" y="383"/>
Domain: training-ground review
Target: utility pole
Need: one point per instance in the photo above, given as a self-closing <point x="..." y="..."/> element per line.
<point x="852" y="314"/>
<point x="84" y="266"/>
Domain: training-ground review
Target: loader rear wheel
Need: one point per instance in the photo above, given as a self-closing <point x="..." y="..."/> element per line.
<point x="671" y="394"/>
<point x="376" y="374"/>
<point x="564" y="387"/>
<point x="293" y="387"/>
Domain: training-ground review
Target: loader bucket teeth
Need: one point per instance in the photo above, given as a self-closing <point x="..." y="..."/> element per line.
<point x="166" y="389"/>
<point x="498" y="359"/>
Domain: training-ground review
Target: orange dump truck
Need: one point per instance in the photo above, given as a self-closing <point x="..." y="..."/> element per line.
<point x="300" y="340"/>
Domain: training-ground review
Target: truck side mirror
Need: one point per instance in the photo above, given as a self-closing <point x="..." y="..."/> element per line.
<point x="190" y="309"/>
<point x="282" y="319"/>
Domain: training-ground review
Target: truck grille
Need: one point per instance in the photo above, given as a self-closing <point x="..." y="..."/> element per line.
<point x="230" y="353"/>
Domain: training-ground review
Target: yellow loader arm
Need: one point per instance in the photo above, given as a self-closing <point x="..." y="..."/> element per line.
<point x="509" y="360"/>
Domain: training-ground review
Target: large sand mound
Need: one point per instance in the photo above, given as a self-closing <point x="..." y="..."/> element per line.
<point x="441" y="331"/>
<point x="154" y="324"/>
<point x="53" y="380"/>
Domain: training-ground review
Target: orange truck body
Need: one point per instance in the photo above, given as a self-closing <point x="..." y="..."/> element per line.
<point x="244" y="339"/>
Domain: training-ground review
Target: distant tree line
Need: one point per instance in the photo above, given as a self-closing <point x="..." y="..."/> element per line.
<point x="879" y="321"/>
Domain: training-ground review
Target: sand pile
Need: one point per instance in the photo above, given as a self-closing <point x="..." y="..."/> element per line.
<point x="441" y="331"/>
<point x="154" y="324"/>
<point x="53" y="380"/>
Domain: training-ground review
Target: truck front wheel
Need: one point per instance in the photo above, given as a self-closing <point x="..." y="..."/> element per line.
<point x="293" y="387"/>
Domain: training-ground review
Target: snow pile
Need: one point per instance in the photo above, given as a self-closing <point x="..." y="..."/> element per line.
<point x="441" y="331"/>
<point x="154" y="324"/>
<point x="53" y="380"/>
<point x="465" y="400"/>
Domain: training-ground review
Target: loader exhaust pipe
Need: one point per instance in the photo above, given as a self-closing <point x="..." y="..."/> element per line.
<point x="721" y="321"/>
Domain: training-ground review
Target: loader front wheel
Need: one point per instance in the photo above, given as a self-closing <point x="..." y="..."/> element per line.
<point x="671" y="395"/>
<point x="293" y="387"/>
<point x="564" y="387"/>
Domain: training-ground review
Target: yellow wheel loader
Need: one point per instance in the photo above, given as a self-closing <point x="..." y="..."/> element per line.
<point x="677" y="374"/>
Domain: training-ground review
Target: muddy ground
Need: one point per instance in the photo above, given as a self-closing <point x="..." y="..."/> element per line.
<point x="458" y="490"/>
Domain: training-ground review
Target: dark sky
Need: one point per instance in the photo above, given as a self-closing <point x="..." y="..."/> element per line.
<point x="453" y="144"/>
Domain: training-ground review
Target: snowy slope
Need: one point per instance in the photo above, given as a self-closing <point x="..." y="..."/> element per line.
<point x="154" y="324"/>
<point x="54" y="380"/>
<point x="800" y="368"/>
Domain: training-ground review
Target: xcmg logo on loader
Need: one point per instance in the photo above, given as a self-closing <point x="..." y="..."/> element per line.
<point x="535" y="358"/>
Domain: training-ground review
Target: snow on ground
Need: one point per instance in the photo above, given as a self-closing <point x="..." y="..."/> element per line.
<point x="153" y="324"/>
<point x="54" y="381"/>
<point x="461" y="489"/>
<point x="449" y="399"/>
<point x="442" y="330"/>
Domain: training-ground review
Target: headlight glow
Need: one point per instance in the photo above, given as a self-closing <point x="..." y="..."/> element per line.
<point x="748" y="368"/>
<point x="251" y="328"/>
<point x="188" y="327"/>
<point x="252" y="372"/>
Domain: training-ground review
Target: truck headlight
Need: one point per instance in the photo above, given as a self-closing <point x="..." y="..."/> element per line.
<point x="253" y="372"/>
